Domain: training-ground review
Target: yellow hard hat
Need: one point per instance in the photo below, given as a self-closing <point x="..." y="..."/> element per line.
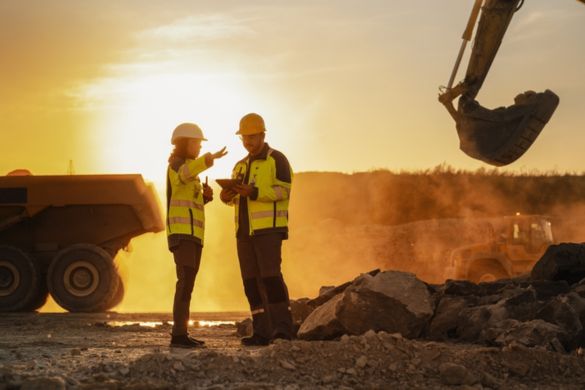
<point x="251" y="124"/>
<point x="187" y="130"/>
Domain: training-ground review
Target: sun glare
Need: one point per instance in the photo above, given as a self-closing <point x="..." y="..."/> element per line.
<point x="148" y="108"/>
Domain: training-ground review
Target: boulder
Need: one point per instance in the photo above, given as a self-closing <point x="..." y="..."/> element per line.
<point x="564" y="261"/>
<point x="395" y="302"/>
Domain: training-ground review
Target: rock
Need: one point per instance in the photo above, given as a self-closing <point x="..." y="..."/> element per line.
<point x="323" y="323"/>
<point x="178" y="366"/>
<point x="529" y="333"/>
<point x="75" y="352"/>
<point x="390" y="301"/>
<point x="287" y="365"/>
<point x="361" y="362"/>
<point x="490" y="381"/>
<point x="395" y="302"/>
<point x="558" y="311"/>
<point x="48" y="383"/>
<point x="456" y="375"/>
<point x="445" y="322"/>
<point x="331" y="292"/>
<point x="328" y="378"/>
<point x="244" y="328"/>
<point x="325" y="289"/>
<point x="546" y="289"/>
<point x="564" y="261"/>
<point x="300" y="309"/>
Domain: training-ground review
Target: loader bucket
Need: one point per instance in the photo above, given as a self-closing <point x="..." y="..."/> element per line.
<point x="500" y="136"/>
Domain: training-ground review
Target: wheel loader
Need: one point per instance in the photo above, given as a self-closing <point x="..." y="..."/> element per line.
<point x="514" y="245"/>
<point x="60" y="234"/>
<point x="502" y="135"/>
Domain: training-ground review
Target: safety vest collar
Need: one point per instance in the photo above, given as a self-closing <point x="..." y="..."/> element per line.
<point x="263" y="155"/>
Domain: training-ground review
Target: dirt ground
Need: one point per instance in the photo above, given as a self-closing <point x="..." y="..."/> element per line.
<point x="130" y="351"/>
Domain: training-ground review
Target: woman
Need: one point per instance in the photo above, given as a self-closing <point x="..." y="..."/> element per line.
<point x="186" y="197"/>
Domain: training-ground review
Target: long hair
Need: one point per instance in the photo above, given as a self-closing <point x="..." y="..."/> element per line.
<point x="180" y="149"/>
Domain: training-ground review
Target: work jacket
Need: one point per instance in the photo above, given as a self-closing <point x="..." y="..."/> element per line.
<point x="185" y="213"/>
<point x="267" y="207"/>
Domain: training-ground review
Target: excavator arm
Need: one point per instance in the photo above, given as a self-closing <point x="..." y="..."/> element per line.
<point x="496" y="136"/>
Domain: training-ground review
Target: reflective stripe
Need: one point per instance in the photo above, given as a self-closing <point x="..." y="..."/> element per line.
<point x="185" y="221"/>
<point x="186" y="203"/>
<point x="268" y="214"/>
<point x="258" y="311"/>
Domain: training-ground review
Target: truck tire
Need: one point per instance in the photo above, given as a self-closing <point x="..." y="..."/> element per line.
<point x="22" y="286"/>
<point x="83" y="278"/>
<point x="118" y="296"/>
<point x="486" y="270"/>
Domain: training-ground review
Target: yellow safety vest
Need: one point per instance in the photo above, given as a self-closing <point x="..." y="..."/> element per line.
<point x="270" y="209"/>
<point x="185" y="213"/>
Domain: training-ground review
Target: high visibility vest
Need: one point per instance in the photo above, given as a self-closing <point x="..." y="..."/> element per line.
<point x="185" y="213"/>
<point x="270" y="208"/>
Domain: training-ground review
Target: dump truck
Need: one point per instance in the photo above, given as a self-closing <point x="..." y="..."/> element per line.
<point x="514" y="244"/>
<point x="60" y="235"/>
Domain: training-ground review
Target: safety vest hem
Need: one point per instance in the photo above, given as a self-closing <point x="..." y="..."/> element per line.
<point x="174" y="239"/>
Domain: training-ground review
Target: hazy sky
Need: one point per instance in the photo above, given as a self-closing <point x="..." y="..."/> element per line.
<point x="343" y="85"/>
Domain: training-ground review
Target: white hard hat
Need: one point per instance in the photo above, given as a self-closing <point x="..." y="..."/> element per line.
<point x="187" y="130"/>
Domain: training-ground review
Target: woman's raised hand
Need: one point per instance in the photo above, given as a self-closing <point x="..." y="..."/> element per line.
<point x="219" y="154"/>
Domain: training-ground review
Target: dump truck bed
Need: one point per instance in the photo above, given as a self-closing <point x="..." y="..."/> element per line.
<point x="39" y="192"/>
<point x="46" y="213"/>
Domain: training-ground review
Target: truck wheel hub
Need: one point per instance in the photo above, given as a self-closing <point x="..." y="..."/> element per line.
<point x="81" y="278"/>
<point x="9" y="278"/>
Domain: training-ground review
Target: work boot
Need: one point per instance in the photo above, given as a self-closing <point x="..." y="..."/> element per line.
<point x="255" y="340"/>
<point x="281" y="336"/>
<point x="184" y="341"/>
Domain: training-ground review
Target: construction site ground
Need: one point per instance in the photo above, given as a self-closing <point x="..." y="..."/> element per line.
<point x="130" y="351"/>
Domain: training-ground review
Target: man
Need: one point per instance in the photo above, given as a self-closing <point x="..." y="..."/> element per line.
<point x="261" y="208"/>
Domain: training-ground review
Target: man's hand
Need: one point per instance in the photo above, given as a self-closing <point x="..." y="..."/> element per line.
<point x="227" y="195"/>
<point x="244" y="189"/>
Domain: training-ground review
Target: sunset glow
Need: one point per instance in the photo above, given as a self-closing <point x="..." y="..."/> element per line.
<point x="343" y="86"/>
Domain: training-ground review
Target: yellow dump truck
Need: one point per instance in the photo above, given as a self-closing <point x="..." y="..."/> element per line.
<point x="514" y="245"/>
<point x="60" y="234"/>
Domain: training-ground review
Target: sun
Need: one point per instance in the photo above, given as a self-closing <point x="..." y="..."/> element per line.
<point x="134" y="135"/>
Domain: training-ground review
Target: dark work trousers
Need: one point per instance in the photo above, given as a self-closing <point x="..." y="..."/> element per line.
<point x="187" y="256"/>
<point x="260" y="260"/>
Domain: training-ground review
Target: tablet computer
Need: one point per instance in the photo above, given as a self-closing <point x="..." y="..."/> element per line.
<point x="227" y="183"/>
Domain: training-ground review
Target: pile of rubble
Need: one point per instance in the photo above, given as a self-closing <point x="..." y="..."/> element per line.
<point x="546" y="309"/>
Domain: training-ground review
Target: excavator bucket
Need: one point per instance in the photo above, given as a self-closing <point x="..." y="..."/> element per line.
<point x="500" y="136"/>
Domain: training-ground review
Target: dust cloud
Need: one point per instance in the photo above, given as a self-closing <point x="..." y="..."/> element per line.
<point x="342" y="225"/>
